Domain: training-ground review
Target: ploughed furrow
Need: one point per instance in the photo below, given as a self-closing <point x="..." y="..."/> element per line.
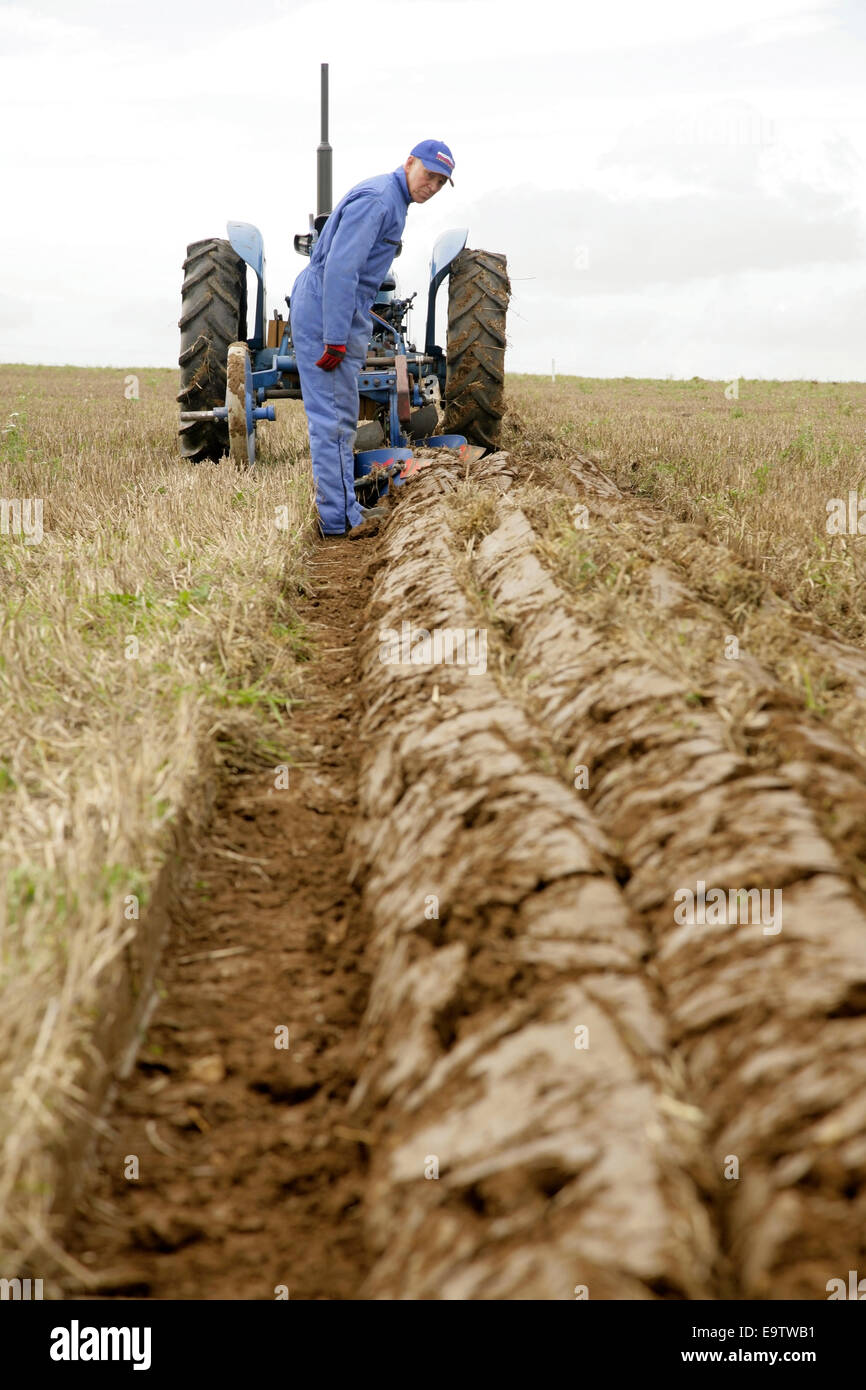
<point x="737" y="818"/>
<point x="226" y="1168"/>
<point x="526" y="1131"/>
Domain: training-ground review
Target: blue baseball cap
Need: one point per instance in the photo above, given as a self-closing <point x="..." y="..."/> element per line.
<point x="436" y="157"/>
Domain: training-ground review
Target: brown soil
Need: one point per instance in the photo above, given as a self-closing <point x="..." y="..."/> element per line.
<point x="767" y="1027"/>
<point x="249" y="1172"/>
<point x="511" y="1072"/>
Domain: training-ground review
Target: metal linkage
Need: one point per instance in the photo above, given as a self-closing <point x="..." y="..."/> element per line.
<point x="411" y="358"/>
<point x="220" y="412"/>
<point x="378" y="473"/>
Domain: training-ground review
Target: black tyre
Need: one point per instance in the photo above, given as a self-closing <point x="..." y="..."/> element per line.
<point x="213" y="314"/>
<point x="369" y="436"/>
<point x="478" y="295"/>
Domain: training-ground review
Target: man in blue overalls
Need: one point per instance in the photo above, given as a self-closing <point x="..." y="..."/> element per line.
<point x="331" y="323"/>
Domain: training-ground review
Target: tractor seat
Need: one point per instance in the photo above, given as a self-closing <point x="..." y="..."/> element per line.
<point x="389" y="283"/>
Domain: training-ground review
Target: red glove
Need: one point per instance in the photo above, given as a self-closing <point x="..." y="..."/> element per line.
<point x="332" y="356"/>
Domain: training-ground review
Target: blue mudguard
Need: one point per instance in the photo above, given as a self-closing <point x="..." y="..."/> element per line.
<point x="447" y="246"/>
<point x="247" y="241"/>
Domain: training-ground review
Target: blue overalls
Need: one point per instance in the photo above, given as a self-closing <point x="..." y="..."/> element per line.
<point x="330" y="303"/>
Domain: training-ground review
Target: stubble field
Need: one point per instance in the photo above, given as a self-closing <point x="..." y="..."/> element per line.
<point x="537" y="972"/>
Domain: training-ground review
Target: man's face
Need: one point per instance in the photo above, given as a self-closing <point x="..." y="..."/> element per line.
<point x="421" y="182"/>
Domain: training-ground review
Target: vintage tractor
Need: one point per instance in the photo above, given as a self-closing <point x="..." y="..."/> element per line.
<point x="230" y="376"/>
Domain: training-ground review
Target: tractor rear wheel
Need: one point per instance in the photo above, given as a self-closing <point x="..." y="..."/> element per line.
<point x="213" y="315"/>
<point x="478" y="295"/>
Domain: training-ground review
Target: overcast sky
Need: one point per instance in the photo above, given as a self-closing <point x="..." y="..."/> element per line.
<point x="678" y="185"/>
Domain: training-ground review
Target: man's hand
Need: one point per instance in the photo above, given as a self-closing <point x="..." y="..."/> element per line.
<point x="332" y="356"/>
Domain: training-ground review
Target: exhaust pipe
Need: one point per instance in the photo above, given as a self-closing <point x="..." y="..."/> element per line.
<point x="324" y="195"/>
<point x="324" y="157"/>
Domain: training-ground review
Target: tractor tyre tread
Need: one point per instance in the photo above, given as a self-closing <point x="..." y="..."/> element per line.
<point x="478" y="295"/>
<point x="213" y="315"/>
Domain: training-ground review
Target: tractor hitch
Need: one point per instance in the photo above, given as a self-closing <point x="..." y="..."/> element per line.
<point x="221" y="412"/>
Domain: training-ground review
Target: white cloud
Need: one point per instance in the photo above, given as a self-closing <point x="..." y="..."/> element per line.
<point x="491" y="30"/>
<point x="690" y="145"/>
<point x="772" y="29"/>
<point x="21" y="29"/>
